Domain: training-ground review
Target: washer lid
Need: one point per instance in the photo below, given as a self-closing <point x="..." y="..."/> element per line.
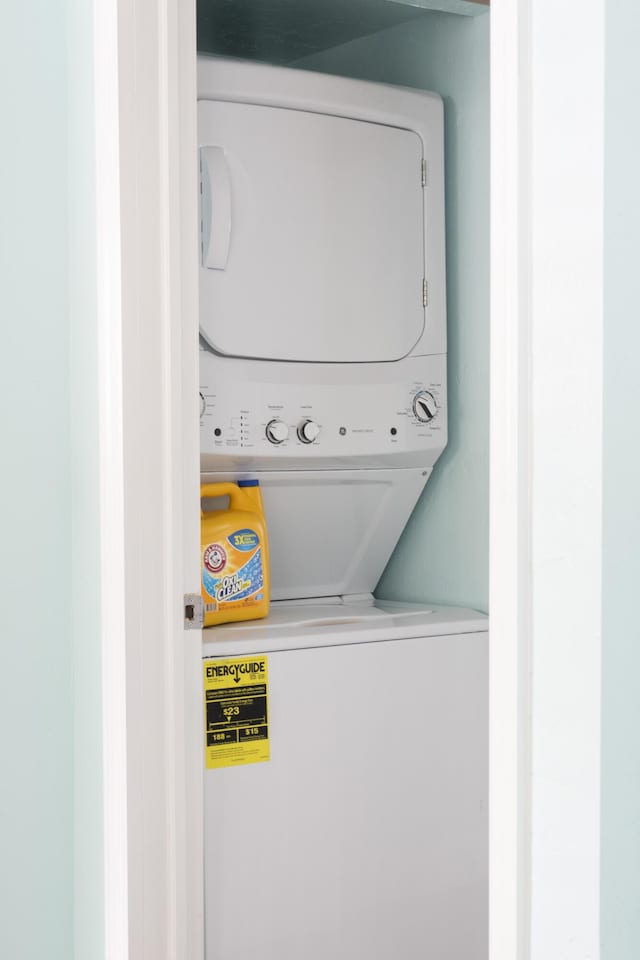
<point x="312" y="235"/>
<point x="300" y="627"/>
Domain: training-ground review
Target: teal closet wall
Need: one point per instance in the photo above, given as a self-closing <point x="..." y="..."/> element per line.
<point x="51" y="867"/>
<point x="85" y="478"/>
<point x="620" y="888"/>
<point x="36" y="716"/>
<point x="442" y="556"/>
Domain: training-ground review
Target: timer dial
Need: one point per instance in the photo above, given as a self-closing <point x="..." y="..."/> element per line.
<point x="277" y="431"/>
<point x="308" y="431"/>
<point x="425" y="406"/>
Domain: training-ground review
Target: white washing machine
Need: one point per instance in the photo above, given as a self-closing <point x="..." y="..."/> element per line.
<point x="346" y="737"/>
<point x="361" y="833"/>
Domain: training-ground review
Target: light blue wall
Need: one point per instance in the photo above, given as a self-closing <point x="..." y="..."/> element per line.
<point x="85" y="475"/>
<point x="621" y="531"/>
<point x="35" y="494"/>
<point x="443" y="554"/>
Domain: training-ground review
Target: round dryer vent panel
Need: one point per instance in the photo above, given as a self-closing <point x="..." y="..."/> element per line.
<point x="312" y="235"/>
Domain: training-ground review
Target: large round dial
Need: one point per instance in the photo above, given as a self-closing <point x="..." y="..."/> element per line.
<point x="308" y="431"/>
<point x="277" y="431"/>
<point x="425" y="406"/>
<point x="203" y="405"/>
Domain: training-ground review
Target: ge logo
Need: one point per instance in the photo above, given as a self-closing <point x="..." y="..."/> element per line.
<point x="215" y="558"/>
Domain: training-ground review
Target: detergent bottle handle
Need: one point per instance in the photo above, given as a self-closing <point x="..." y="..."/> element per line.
<point x="236" y="499"/>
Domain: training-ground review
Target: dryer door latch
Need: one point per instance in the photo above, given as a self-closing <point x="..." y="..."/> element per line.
<point x="193" y="611"/>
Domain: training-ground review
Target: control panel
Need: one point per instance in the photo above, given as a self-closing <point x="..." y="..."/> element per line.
<point x="387" y="416"/>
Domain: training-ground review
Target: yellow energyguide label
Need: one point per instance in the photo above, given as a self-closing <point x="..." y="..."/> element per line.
<point x="236" y="712"/>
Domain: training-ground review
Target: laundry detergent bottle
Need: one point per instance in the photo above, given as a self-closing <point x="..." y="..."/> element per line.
<point x="234" y="554"/>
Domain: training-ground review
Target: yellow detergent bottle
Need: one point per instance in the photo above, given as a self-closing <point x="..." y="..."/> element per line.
<point x="234" y="554"/>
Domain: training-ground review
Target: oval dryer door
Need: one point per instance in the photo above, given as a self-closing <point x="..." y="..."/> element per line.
<point x="312" y="235"/>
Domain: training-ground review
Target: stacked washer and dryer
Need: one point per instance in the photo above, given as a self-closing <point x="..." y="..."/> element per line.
<point x="323" y="375"/>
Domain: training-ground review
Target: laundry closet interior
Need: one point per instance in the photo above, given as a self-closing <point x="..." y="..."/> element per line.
<point x="348" y="815"/>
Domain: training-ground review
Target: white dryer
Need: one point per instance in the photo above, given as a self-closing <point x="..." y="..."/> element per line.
<point x="322" y="311"/>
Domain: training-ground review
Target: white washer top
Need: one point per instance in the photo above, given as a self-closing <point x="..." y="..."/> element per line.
<point x="335" y="622"/>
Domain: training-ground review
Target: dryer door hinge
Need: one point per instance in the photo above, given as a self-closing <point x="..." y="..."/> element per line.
<point x="424" y="172"/>
<point x="425" y="292"/>
<point x="193" y="611"/>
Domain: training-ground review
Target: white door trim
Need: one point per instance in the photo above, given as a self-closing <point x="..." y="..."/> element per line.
<point x="566" y="359"/>
<point x="546" y="461"/>
<point x="510" y="601"/>
<point x="145" y="107"/>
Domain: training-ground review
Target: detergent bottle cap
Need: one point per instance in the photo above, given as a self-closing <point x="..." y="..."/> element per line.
<point x="248" y="483"/>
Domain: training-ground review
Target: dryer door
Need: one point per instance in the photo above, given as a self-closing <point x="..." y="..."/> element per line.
<point x="312" y="235"/>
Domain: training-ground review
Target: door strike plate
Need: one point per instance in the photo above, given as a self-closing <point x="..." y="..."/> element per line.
<point x="193" y="611"/>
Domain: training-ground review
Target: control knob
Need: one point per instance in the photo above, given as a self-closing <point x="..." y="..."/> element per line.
<point x="277" y="431"/>
<point x="203" y="406"/>
<point x="308" y="431"/>
<point x="425" y="406"/>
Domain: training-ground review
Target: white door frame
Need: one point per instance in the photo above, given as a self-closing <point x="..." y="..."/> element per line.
<point x="510" y="600"/>
<point x="145" y="109"/>
<point x="145" y="103"/>
<point x="547" y="139"/>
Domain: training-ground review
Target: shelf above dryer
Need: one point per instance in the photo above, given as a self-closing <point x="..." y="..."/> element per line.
<point x="282" y="31"/>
